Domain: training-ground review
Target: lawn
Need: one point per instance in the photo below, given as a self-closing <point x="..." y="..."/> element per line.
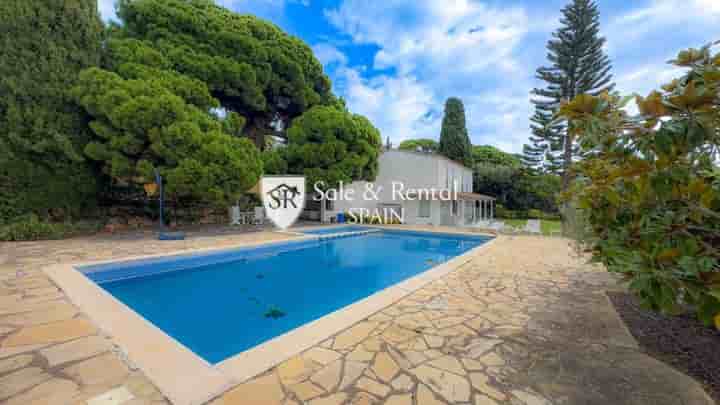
<point x="547" y="227"/>
<point x="516" y="223"/>
<point x="550" y="227"/>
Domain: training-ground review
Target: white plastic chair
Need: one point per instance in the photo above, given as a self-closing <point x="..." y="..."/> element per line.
<point x="235" y="217"/>
<point x="259" y="218"/>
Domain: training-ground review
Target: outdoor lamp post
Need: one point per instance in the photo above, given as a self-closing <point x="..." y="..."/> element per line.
<point x="151" y="189"/>
<point x="158" y="181"/>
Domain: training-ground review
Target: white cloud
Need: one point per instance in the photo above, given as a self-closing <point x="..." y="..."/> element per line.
<point x="437" y="36"/>
<point x="328" y="54"/>
<point x="106" y="9"/>
<point x="396" y="105"/>
<point x="645" y="79"/>
<point x="431" y="50"/>
<point x="663" y="14"/>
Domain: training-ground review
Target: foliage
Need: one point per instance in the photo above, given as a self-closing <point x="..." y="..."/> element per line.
<point x="274" y="161"/>
<point x="147" y="118"/>
<point x="650" y="188"/>
<point x="421" y="145"/>
<point x="454" y="140"/>
<point x="44" y="44"/>
<point x="516" y="187"/>
<point x="30" y="227"/>
<point x="578" y="65"/>
<point x="251" y="66"/>
<point x="486" y="154"/>
<point x="330" y="145"/>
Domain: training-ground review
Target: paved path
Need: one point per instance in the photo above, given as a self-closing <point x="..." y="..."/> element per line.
<point x="525" y="323"/>
<point x="533" y="226"/>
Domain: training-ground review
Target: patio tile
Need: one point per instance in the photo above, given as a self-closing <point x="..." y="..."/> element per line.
<point x="306" y="391"/>
<point x="115" y="396"/>
<point x="399" y="399"/>
<point x="448" y="363"/>
<point x="103" y="369"/>
<point x="262" y="390"/>
<point x="321" y="355"/>
<point x="385" y="367"/>
<point x="483" y="400"/>
<point x="334" y="399"/>
<point x="450" y="386"/>
<point x="14" y="363"/>
<point x="426" y="397"/>
<point x="329" y="377"/>
<point x="363" y="398"/>
<point x="54" y="391"/>
<point x="295" y="370"/>
<point x="354" y="335"/>
<point x="353" y="370"/>
<point x="481" y="381"/>
<point x="50" y="333"/>
<point x="75" y="350"/>
<point x="402" y="383"/>
<point x="21" y="380"/>
<point x="58" y="312"/>
<point x="372" y="386"/>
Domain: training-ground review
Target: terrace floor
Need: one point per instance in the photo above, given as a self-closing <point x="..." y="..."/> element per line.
<point x="525" y="323"/>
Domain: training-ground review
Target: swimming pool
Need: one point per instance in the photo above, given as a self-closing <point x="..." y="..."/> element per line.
<point x="335" y="229"/>
<point x="223" y="303"/>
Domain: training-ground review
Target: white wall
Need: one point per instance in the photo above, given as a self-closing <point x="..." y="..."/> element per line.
<point x="414" y="170"/>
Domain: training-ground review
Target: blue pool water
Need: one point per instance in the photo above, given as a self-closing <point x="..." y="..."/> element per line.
<point x="220" y="304"/>
<point x="335" y="229"/>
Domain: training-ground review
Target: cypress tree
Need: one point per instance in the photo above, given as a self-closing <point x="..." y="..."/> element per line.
<point x="454" y="140"/>
<point x="578" y="65"/>
<point x="43" y="47"/>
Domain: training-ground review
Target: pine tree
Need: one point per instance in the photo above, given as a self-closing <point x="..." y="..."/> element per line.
<point x="43" y="46"/>
<point x="454" y="140"/>
<point x="578" y="65"/>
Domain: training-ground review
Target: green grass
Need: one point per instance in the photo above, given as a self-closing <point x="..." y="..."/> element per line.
<point x="547" y="227"/>
<point x="550" y="227"/>
<point x="516" y="223"/>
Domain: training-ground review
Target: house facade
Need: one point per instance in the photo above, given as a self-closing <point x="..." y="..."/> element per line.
<point x="413" y="175"/>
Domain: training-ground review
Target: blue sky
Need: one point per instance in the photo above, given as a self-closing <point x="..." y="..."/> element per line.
<point x="396" y="61"/>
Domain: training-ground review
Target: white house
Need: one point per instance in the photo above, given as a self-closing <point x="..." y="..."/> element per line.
<point x="414" y="175"/>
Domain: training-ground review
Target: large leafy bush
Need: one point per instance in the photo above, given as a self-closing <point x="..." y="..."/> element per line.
<point x="250" y="65"/>
<point x="650" y="190"/>
<point x="329" y="145"/>
<point x="43" y="46"/>
<point x="147" y="118"/>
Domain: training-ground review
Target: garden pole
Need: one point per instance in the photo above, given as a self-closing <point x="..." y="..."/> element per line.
<point x="158" y="180"/>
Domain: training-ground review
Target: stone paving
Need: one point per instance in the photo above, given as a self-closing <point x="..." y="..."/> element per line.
<point x="525" y="323"/>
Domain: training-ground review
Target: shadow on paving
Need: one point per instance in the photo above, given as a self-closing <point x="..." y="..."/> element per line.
<point x="582" y="354"/>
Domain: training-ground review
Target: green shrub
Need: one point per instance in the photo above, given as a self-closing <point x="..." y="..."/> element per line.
<point x="535" y="214"/>
<point x="651" y="187"/>
<point x="31" y="227"/>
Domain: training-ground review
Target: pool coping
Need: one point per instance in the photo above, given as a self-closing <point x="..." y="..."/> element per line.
<point x="186" y="378"/>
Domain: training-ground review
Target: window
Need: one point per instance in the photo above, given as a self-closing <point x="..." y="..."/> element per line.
<point x="424" y="209"/>
<point x="454" y="207"/>
<point x="329" y="205"/>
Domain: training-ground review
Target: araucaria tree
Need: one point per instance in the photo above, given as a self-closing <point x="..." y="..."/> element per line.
<point x="43" y="46"/>
<point x="454" y="140"/>
<point x="578" y="65"/>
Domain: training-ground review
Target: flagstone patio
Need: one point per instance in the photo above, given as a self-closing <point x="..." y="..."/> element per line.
<point x="525" y="323"/>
